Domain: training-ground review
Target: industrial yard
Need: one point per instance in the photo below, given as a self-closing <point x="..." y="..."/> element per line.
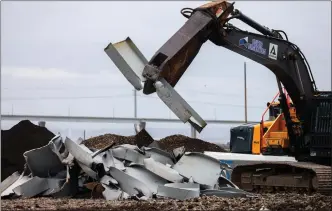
<point x="91" y="194"/>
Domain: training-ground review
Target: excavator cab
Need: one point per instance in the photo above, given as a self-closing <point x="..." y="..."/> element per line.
<point x="274" y="110"/>
<point x="246" y="138"/>
<point x="251" y="138"/>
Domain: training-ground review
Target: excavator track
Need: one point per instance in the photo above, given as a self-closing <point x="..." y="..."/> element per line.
<point x="283" y="176"/>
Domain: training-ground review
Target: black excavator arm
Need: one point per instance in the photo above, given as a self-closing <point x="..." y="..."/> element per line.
<point x="270" y="48"/>
<point x="282" y="57"/>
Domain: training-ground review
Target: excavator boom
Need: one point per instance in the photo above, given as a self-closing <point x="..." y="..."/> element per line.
<point x="210" y="22"/>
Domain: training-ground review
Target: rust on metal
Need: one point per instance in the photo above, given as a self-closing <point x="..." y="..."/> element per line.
<point x="175" y="56"/>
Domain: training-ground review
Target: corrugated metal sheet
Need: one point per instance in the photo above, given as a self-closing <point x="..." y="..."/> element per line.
<point x="129" y="60"/>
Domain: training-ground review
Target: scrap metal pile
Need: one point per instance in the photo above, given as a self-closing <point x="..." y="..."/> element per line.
<point x="118" y="167"/>
<point x="64" y="167"/>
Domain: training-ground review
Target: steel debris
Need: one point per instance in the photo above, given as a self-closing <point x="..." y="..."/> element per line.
<point x="68" y="168"/>
<point x="206" y="172"/>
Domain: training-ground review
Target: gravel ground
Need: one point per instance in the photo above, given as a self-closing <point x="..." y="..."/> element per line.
<point x="277" y="202"/>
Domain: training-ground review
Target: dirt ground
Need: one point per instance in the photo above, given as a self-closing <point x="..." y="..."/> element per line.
<point x="20" y="138"/>
<point x="275" y="202"/>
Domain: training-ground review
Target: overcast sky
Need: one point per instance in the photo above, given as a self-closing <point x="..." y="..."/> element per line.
<point x="53" y="59"/>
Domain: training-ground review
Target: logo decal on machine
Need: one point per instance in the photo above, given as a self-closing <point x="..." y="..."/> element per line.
<point x="256" y="45"/>
<point x="273" y="51"/>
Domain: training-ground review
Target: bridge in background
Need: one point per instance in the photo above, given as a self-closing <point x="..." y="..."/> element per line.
<point x="109" y="120"/>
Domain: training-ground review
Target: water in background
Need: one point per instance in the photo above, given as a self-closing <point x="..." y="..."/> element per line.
<point x="215" y="133"/>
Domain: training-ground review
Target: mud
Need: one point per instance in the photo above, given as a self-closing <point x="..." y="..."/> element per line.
<point x="143" y="138"/>
<point x="274" y="202"/>
<point x="22" y="137"/>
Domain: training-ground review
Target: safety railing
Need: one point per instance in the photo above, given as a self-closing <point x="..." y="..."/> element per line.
<point x="268" y="108"/>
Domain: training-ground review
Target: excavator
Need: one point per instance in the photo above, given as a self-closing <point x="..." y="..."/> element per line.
<point x="267" y="137"/>
<point x="308" y="123"/>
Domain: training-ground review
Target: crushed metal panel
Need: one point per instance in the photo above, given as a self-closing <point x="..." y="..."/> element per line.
<point x="108" y="160"/>
<point x="178" y="152"/>
<point x="88" y="170"/>
<point x="9" y="181"/>
<point x="187" y="186"/>
<point x="133" y="147"/>
<point x="129" y="154"/>
<point x="17" y="183"/>
<point x="111" y="194"/>
<point x="69" y="160"/>
<point x="79" y="153"/>
<point x="139" y="126"/>
<point x="147" y="177"/>
<point x="204" y="169"/>
<point x="223" y="193"/>
<point x="129" y="60"/>
<point x="54" y="185"/>
<point x="118" y="164"/>
<point x="224" y="182"/>
<point x="129" y="184"/>
<point x="162" y="170"/>
<point x="43" y="162"/>
<point x="59" y="147"/>
<point x="178" y="105"/>
<point x="107" y="180"/>
<point x="45" y="186"/>
<point x="159" y="155"/>
<point x="97" y="152"/>
<point x="70" y="187"/>
<point x="32" y="187"/>
<point x="177" y="193"/>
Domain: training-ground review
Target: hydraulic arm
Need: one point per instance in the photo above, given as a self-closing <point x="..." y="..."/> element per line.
<point x="270" y="48"/>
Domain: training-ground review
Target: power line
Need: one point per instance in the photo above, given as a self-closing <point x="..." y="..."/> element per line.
<point x="208" y="103"/>
<point x="114" y="96"/>
<point x="121" y="87"/>
<point x="122" y="96"/>
<point x="65" y="88"/>
<point x="69" y="98"/>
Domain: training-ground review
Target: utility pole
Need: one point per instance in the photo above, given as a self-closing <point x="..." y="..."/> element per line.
<point x="135" y="103"/>
<point x="245" y="92"/>
<point x="193" y="132"/>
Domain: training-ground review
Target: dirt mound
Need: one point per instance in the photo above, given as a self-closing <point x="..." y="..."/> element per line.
<point x="191" y="144"/>
<point x="102" y="141"/>
<point x="20" y="138"/>
<point x="143" y="138"/>
<point x="273" y="202"/>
